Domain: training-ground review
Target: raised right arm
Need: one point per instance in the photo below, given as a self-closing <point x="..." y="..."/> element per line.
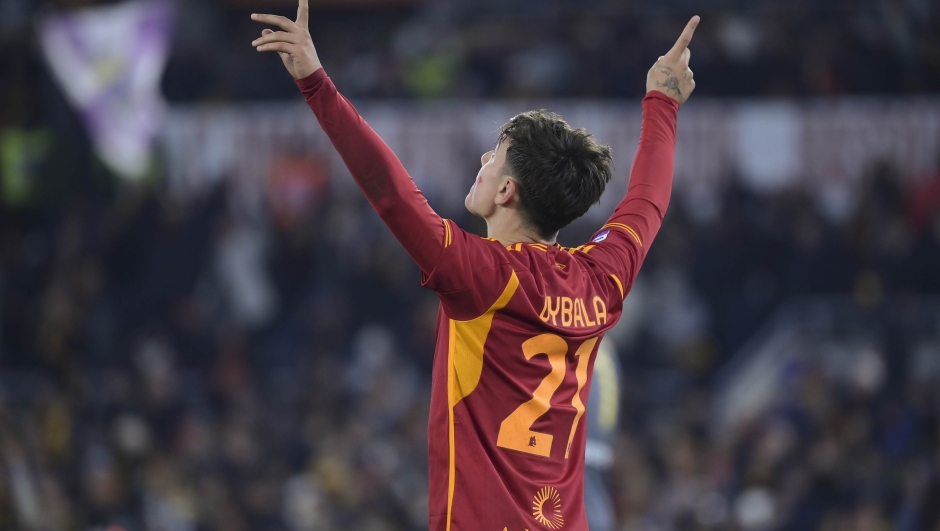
<point x="625" y="239"/>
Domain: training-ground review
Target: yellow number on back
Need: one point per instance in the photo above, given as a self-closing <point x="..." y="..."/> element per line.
<point x="584" y="356"/>
<point x="515" y="431"/>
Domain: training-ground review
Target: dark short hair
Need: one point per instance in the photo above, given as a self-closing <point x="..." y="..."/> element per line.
<point x="560" y="171"/>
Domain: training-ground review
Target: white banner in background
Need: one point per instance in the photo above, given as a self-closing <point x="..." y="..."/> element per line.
<point x="109" y="61"/>
<point x="824" y="145"/>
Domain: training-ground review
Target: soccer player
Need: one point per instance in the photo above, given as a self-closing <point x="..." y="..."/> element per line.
<point x="521" y="317"/>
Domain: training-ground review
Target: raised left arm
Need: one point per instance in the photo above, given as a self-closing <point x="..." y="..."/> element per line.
<point x="373" y="165"/>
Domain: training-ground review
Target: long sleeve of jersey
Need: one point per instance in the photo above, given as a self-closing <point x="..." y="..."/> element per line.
<point x="626" y="237"/>
<point x="378" y="172"/>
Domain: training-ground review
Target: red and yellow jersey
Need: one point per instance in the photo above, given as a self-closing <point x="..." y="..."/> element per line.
<point x="518" y="329"/>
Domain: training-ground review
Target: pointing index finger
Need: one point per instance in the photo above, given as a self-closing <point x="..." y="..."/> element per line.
<point x="303" y="13"/>
<point x="685" y="38"/>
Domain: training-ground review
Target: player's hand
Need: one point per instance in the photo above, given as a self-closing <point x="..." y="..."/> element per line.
<point x="292" y="43"/>
<point x="671" y="74"/>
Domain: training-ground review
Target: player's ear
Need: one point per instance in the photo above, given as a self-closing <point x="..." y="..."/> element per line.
<point x="506" y="191"/>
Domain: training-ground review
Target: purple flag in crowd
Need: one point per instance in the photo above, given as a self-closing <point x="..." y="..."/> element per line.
<point x="109" y="61"/>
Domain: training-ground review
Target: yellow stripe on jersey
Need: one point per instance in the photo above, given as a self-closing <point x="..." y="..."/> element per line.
<point x="448" y="235"/>
<point x="452" y="472"/>
<point x="619" y="285"/>
<point x="465" y="365"/>
<point x="626" y="228"/>
<point x="583" y="248"/>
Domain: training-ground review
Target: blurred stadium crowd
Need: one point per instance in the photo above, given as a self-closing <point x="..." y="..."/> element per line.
<point x="135" y="396"/>
<point x="549" y="48"/>
<point x="592" y="48"/>
<point x="164" y="366"/>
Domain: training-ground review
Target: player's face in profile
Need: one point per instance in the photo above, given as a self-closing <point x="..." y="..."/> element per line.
<point x="481" y="199"/>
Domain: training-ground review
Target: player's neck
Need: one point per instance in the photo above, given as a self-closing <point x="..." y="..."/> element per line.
<point x="510" y="229"/>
